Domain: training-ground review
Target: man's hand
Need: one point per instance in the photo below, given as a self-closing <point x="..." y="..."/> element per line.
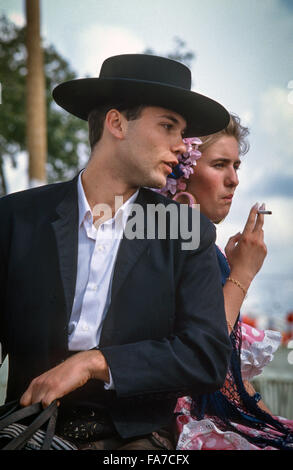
<point x="66" y="377"/>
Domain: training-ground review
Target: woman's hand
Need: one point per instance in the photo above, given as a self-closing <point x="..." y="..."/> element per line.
<point x="246" y="252"/>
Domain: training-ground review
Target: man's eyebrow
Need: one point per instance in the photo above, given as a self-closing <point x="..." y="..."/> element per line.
<point x="172" y="118"/>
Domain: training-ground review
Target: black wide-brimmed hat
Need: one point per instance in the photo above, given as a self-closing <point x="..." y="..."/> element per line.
<point x="144" y="79"/>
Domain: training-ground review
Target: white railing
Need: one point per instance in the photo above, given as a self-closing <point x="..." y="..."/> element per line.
<point x="277" y="394"/>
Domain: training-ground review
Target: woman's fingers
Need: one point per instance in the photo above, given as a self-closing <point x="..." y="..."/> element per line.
<point x="232" y="242"/>
<point x="259" y="221"/>
<point x="255" y="222"/>
<point x="250" y="224"/>
<point x="246" y="251"/>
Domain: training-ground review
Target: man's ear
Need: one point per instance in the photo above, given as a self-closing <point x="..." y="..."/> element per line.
<point x="115" y="123"/>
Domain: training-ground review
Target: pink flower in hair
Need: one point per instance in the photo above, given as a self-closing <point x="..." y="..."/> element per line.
<point x="171" y="186"/>
<point x="187" y="160"/>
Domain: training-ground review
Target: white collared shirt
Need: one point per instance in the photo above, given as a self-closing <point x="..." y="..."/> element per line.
<point x="97" y="252"/>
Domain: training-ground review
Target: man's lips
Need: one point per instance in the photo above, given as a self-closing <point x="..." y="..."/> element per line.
<point x="170" y="165"/>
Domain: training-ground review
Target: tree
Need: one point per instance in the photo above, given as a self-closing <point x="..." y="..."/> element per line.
<point x="180" y="53"/>
<point x="66" y="135"/>
<point x="36" y="129"/>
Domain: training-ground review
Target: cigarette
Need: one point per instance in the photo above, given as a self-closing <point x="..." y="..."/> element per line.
<point x="262" y="211"/>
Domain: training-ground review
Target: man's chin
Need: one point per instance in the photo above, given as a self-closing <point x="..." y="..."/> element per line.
<point x="156" y="183"/>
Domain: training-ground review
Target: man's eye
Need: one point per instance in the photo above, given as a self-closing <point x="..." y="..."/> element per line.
<point x="168" y="126"/>
<point x="219" y="165"/>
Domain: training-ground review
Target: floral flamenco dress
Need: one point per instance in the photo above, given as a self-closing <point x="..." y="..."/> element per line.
<point x="230" y="419"/>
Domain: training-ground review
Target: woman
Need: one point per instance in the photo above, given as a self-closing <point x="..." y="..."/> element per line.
<point x="235" y="417"/>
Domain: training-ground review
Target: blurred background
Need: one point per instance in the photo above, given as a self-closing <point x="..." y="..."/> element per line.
<point x="240" y="54"/>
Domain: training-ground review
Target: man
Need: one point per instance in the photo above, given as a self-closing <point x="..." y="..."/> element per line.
<point x="114" y="328"/>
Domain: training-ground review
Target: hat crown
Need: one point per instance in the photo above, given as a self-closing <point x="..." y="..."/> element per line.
<point x="144" y="79"/>
<point x="147" y="68"/>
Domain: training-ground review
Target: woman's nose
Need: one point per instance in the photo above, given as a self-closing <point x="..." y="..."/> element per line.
<point x="232" y="178"/>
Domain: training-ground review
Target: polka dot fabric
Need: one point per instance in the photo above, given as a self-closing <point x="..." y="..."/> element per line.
<point x="257" y="349"/>
<point x="205" y="435"/>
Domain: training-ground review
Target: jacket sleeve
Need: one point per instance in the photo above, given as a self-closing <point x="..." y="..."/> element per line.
<point x="194" y="359"/>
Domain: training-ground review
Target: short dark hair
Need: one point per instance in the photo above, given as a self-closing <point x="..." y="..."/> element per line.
<point x="96" y="118"/>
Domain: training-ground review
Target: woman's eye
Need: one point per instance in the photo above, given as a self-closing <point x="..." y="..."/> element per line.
<point x="219" y="165"/>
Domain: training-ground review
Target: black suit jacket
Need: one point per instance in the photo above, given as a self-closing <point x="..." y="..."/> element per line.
<point x="164" y="334"/>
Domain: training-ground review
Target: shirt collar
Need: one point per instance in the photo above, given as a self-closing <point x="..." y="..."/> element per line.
<point x="83" y="205"/>
<point x="85" y="211"/>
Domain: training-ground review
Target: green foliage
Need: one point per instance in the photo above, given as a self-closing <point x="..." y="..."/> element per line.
<point x="180" y="53"/>
<point x="66" y="134"/>
<point x="13" y="71"/>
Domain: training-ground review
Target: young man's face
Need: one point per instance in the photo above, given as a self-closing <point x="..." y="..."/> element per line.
<point x="151" y="146"/>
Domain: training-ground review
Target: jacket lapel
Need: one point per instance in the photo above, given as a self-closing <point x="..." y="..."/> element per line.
<point x="66" y="232"/>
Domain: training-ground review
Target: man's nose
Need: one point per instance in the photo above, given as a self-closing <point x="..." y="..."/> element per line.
<point x="179" y="147"/>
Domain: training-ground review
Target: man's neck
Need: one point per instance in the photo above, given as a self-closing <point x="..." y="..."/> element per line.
<point x="101" y="186"/>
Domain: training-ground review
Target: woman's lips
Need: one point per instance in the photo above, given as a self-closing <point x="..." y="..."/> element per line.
<point x="228" y="198"/>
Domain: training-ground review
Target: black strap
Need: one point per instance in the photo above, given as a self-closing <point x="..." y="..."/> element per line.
<point x="49" y="413"/>
<point x="8" y="408"/>
<point x="20" y="414"/>
<point x="50" y="430"/>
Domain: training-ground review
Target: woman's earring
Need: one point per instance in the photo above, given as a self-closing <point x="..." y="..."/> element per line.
<point x="185" y="194"/>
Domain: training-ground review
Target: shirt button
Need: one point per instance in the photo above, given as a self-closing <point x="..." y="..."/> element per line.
<point x="93" y="286"/>
<point x="85" y="327"/>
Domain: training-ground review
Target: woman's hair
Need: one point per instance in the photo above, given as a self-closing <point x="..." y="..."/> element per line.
<point x="234" y="129"/>
<point x="96" y="118"/>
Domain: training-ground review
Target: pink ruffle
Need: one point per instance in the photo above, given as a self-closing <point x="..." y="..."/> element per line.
<point x="204" y="435"/>
<point x="257" y="349"/>
<point x="251" y="334"/>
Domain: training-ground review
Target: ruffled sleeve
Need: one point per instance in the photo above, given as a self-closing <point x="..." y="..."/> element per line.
<point x="257" y="349"/>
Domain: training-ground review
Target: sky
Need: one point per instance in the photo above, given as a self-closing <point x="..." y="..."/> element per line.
<point x="243" y="59"/>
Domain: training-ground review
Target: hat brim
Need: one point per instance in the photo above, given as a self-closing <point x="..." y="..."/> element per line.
<point x="204" y="116"/>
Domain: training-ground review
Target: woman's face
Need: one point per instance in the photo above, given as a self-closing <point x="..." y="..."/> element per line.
<point x="215" y="178"/>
